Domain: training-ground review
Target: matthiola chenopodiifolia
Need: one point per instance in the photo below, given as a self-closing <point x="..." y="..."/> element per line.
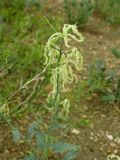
<point x="62" y="57"/>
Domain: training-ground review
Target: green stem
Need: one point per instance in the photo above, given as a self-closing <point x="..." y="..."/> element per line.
<point x="55" y="105"/>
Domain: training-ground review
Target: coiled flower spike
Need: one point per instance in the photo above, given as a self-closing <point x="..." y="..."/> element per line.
<point x="62" y="61"/>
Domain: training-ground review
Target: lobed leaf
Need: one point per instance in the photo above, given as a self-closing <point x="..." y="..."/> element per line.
<point x="62" y="147"/>
<point x="32" y="156"/>
<point x="16" y="135"/>
<point x="116" y="52"/>
<point x="70" y="155"/>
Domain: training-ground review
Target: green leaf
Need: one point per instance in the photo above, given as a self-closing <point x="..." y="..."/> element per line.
<point x="70" y="155"/>
<point x="57" y="126"/>
<point x="109" y="98"/>
<point x="83" y="122"/>
<point x="116" y="52"/>
<point x="111" y="74"/>
<point x="32" y="156"/>
<point x="62" y="147"/>
<point x="30" y="3"/>
<point x="32" y="129"/>
<point x="100" y="64"/>
<point x="16" y="135"/>
<point x="41" y="140"/>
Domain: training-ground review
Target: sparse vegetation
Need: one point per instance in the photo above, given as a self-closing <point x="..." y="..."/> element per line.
<point x="78" y="12"/>
<point x="109" y="10"/>
<point x="54" y="105"/>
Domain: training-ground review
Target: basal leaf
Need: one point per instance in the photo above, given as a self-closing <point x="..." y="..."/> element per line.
<point x="109" y="98"/>
<point x="40" y="140"/>
<point x="16" y="135"/>
<point x="32" y="130"/>
<point x="32" y="156"/>
<point x="57" y="126"/>
<point x="62" y="147"/>
<point x="70" y="155"/>
<point x="100" y="64"/>
<point x="116" y="52"/>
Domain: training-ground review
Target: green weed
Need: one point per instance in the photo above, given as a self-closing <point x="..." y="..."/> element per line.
<point x="78" y="12"/>
<point x="48" y="134"/>
<point x="99" y="80"/>
<point x="105" y="81"/>
<point x="23" y="34"/>
<point x="114" y="95"/>
<point x="109" y="10"/>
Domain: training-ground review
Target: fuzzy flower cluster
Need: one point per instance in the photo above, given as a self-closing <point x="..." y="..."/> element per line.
<point x="62" y="57"/>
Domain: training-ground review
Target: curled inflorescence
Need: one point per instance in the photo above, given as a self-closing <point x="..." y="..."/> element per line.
<point x="62" y="57"/>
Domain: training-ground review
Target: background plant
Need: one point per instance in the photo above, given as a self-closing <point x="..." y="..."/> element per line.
<point x="105" y="81"/>
<point x="99" y="79"/>
<point x="109" y="10"/>
<point x="78" y="12"/>
<point x="23" y="32"/>
<point x="61" y="62"/>
<point x="114" y="94"/>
